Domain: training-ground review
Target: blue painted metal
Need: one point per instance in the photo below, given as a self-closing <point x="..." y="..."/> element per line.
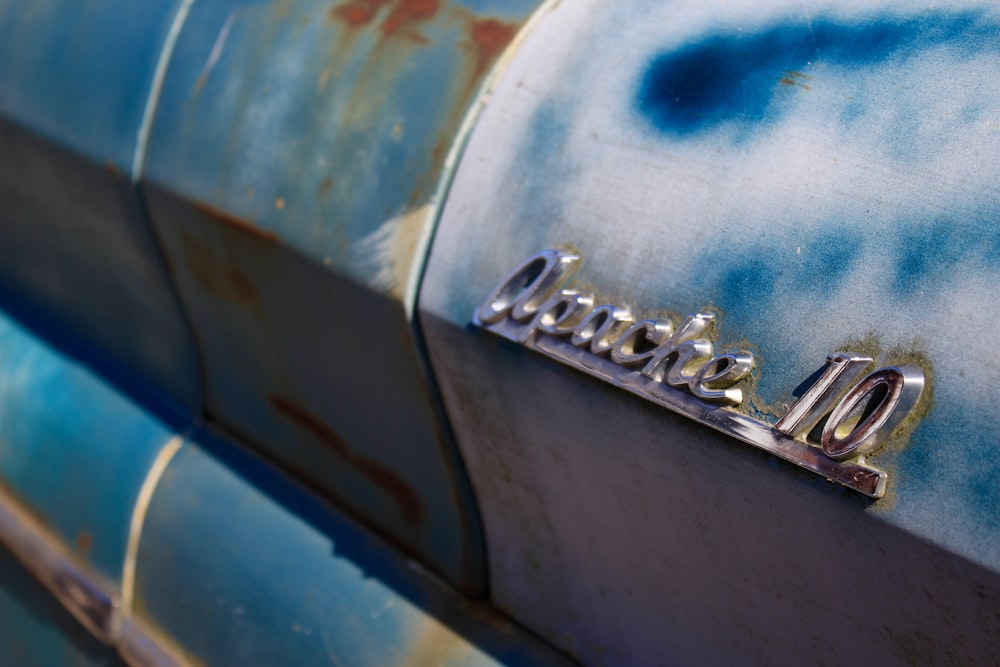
<point x="74" y="83"/>
<point x="293" y="176"/>
<point x="73" y="448"/>
<point x="241" y="566"/>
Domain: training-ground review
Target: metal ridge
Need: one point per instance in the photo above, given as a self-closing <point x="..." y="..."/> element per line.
<point x="94" y="602"/>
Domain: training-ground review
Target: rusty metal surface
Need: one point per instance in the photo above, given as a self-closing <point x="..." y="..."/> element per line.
<point x="277" y="577"/>
<point x="293" y="176"/>
<point x="74" y="83"/>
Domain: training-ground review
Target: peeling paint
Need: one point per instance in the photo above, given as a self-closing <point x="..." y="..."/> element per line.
<point x="236" y="222"/>
<point x="329" y="130"/>
<point x="216" y="52"/>
<point x="392" y="247"/>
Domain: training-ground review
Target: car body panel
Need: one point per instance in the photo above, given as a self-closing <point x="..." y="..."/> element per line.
<point x="822" y="179"/>
<point x="75" y="449"/>
<point x="294" y="173"/>
<point x="75" y="80"/>
<point x="285" y="579"/>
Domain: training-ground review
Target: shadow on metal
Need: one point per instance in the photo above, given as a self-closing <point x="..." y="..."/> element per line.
<point x="285" y="579"/>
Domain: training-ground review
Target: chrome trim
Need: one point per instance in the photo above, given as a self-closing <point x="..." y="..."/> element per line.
<point x="94" y="602"/>
<point x="858" y="476"/>
<point x="678" y="369"/>
<point x="48" y="560"/>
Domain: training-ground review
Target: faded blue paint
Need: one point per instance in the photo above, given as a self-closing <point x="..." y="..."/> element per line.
<point x="856" y="203"/>
<point x="280" y="578"/>
<point x="926" y="254"/>
<point x="950" y="449"/>
<point x="291" y="142"/>
<point x="543" y="147"/>
<point x="919" y="262"/>
<point x="740" y="79"/>
<point x="298" y="94"/>
<point x="72" y="448"/>
<point x="74" y="82"/>
<point x="79" y="73"/>
<point x="854" y="207"/>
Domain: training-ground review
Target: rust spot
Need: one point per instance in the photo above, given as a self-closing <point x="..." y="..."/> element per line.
<point x="356" y="13"/>
<point x="326" y="187"/>
<point x="408" y="12"/>
<point x="406" y="499"/>
<point x="793" y="78"/>
<point x="234" y="221"/>
<point x="112" y="169"/>
<point x="241" y="288"/>
<point x="489" y="615"/>
<point x="83" y="541"/>
<point x="228" y="283"/>
<point x="489" y="38"/>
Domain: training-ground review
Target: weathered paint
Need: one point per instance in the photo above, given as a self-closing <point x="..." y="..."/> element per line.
<point x="284" y="579"/>
<point x="73" y="448"/>
<point x="293" y="176"/>
<point x="321" y="121"/>
<point x="73" y="93"/>
<point x="853" y="208"/>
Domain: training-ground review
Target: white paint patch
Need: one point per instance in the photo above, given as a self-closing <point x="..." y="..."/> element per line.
<point x="392" y="248"/>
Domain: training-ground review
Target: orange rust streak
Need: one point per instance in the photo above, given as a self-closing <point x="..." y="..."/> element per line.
<point x="227" y="283"/>
<point x="787" y="82"/>
<point x="83" y="541"/>
<point x="325" y="187"/>
<point x="356" y="12"/>
<point x="236" y="222"/>
<point x="406" y="499"/>
<point x="490" y="37"/>
<point x="407" y="12"/>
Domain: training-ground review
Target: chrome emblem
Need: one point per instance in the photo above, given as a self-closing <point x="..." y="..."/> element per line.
<point x="676" y="367"/>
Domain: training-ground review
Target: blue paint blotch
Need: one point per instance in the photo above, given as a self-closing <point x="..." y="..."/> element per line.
<point x="750" y="281"/>
<point x="544" y="153"/>
<point x="926" y="257"/>
<point x="742" y="79"/>
<point x="742" y="283"/>
<point x="932" y="252"/>
<point x="832" y="254"/>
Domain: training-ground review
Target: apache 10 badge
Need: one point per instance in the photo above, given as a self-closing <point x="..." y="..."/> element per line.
<point x="677" y="367"/>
